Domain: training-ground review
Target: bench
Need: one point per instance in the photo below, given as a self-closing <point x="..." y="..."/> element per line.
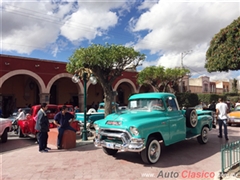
<point x="68" y="139"/>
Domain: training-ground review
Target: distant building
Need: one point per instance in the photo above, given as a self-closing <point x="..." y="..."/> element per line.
<point x="201" y="84"/>
<point x="224" y="85"/>
<point x="29" y="81"/>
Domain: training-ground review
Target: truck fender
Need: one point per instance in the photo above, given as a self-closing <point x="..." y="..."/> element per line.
<point x="157" y="135"/>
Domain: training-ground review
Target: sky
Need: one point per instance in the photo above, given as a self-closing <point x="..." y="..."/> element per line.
<point x="171" y="33"/>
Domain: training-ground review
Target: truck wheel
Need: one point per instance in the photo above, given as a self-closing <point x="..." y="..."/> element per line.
<point x="203" y="138"/>
<point x="191" y="118"/>
<point x="152" y="152"/>
<point x="4" y="136"/>
<point x="20" y="134"/>
<point x="110" y="151"/>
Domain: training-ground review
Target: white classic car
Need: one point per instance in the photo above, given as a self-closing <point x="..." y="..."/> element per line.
<point x="5" y="127"/>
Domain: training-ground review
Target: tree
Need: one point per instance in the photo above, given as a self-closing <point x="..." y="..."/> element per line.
<point x="223" y="53"/>
<point x="234" y="86"/>
<point x="107" y="62"/>
<point x="162" y="79"/>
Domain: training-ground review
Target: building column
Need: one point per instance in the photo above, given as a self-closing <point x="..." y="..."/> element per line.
<point x="80" y="102"/>
<point x="44" y="97"/>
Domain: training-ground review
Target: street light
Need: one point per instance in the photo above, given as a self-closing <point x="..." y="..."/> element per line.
<point x="183" y="54"/>
<point x="85" y="74"/>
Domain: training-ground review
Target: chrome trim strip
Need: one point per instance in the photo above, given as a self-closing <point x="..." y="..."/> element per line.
<point x="124" y="135"/>
<point x="193" y="137"/>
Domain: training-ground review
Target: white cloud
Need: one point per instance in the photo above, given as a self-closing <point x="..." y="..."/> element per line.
<point x="147" y="4"/>
<point x="93" y="19"/>
<point x="86" y="24"/>
<point x="165" y="28"/>
<point x="37" y="24"/>
<point x="175" y="27"/>
<point x="26" y="28"/>
<point x="180" y="26"/>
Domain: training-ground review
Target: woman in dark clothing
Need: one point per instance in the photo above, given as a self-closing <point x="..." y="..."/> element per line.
<point x="42" y="126"/>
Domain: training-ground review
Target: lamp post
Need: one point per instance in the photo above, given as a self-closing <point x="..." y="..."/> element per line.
<point x="183" y="54"/>
<point x="85" y="74"/>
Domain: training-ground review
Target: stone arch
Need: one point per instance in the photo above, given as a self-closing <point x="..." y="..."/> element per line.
<point x="62" y="75"/>
<point x="42" y="87"/>
<point x="124" y="80"/>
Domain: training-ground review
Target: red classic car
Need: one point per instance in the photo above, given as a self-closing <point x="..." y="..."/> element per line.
<point x="26" y="127"/>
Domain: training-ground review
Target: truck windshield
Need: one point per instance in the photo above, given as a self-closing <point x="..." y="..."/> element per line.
<point x="145" y="104"/>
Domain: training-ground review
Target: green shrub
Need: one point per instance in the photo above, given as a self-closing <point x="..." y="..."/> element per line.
<point x="187" y="99"/>
<point x="208" y="98"/>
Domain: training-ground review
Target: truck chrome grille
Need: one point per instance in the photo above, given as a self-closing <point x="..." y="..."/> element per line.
<point x="116" y="136"/>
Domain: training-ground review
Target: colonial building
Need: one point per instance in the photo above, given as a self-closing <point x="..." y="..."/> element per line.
<point x="223" y="85"/>
<point x="203" y="84"/>
<point x="200" y="84"/>
<point x="29" y="81"/>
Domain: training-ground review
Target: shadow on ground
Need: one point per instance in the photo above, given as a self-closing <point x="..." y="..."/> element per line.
<point x="185" y="152"/>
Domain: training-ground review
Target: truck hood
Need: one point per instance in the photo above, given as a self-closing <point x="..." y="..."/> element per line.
<point x="125" y="118"/>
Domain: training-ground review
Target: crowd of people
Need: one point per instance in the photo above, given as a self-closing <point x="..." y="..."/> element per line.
<point x="221" y="109"/>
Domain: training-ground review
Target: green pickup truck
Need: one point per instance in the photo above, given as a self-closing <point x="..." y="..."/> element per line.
<point x="151" y="119"/>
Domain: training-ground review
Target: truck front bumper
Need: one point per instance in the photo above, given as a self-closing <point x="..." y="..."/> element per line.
<point x="127" y="142"/>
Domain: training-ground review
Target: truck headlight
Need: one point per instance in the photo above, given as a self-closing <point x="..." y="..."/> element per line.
<point x="134" y="131"/>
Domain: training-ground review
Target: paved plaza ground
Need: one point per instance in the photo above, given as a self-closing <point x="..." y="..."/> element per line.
<point x="20" y="160"/>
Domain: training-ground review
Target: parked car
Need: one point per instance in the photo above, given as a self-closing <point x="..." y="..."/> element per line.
<point x="234" y="116"/>
<point x="14" y="116"/>
<point x="15" y="113"/>
<point x="5" y="127"/>
<point x="151" y="119"/>
<point x="93" y="115"/>
<point x="26" y="127"/>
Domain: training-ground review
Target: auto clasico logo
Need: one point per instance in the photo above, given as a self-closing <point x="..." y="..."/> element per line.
<point x="186" y="174"/>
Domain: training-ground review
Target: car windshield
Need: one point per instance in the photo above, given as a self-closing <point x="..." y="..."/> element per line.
<point x="237" y="108"/>
<point x="25" y="110"/>
<point x="70" y="109"/>
<point x="101" y="107"/>
<point x="51" y="110"/>
<point x="145" y="104"/>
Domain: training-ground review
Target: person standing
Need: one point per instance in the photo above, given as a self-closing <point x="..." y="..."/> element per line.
<point x="212" y="106"/>
<point x="237" y="103"/>
<point x="61" y="120"/>
<point x="221" y="112"/>
<point x="21" y="116"/>
<point x="42" y="126"/>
